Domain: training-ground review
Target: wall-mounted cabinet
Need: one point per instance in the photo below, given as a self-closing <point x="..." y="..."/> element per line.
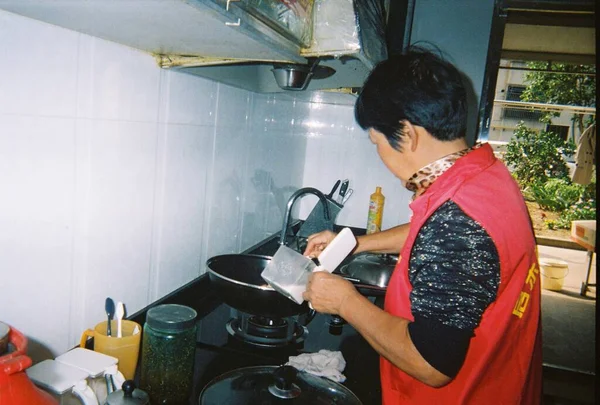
<point x="213" y="29"/>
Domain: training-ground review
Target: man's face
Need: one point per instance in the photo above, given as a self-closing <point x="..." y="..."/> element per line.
<point x="394" y="160"/>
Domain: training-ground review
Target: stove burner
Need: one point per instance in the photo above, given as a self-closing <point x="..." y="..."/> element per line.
<point x="267" y="328"/>
<point x="266" y="332"/>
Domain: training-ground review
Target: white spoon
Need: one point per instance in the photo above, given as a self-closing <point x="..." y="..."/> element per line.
<point x="119" y="314"/>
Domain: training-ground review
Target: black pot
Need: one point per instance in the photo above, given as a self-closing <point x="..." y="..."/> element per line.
<point x="268" y="385"/>
<point x="238" y="282"/>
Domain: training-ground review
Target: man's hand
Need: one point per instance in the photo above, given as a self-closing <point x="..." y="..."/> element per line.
<point x="327" y="292"/>
<point x="317" y="242"/>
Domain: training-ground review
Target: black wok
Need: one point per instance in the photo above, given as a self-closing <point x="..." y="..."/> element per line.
<point x="238" y="282"/>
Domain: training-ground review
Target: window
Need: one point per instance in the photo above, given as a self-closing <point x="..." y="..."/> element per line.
<point x="513" y="93"/>
<point x="560" y="130"/>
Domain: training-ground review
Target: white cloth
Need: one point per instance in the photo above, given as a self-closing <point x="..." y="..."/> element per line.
<point x="325" y="363"/>
<point x="585" y="157"/>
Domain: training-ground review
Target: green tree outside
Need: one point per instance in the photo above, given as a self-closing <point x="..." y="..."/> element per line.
<point x="570" y="87"/>
<point x="536" y="158"/>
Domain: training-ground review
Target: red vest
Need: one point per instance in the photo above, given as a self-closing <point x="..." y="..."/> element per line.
<point x="504" y="362"/>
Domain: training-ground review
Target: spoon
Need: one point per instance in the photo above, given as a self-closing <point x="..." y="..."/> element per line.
<point x="120" y="313"/>
<point x="109" y="307"/>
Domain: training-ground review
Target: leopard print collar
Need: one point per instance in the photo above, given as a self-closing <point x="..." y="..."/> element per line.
<point x="427" y="175"/>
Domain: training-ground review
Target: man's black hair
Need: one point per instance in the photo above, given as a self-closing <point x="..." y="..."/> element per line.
<point x="418" y="86"/>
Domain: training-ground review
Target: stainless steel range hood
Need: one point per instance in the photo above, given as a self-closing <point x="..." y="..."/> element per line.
<point x="221" y="40"/>
<point x="348" y="40"/>
<point x="258" y="77"/>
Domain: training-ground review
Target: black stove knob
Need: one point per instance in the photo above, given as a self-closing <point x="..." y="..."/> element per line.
<point x="336" y="325"/>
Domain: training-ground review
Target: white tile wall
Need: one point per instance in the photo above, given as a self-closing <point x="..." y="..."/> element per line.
<point x="186" y="99"/>
<point x="120" y="179"/>
<point x="337" y="148"/>
<point x="116" y="93"/>
<point x="40" y="73"/>
<point x="119" y="214"/>
<point x="180" y="198"/>
<point x="36" y="219"/>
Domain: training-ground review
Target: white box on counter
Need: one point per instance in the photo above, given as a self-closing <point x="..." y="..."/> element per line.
<point x="584" y="233"/>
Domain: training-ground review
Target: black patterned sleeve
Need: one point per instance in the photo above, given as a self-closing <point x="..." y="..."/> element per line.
<point x="454" y="270"/>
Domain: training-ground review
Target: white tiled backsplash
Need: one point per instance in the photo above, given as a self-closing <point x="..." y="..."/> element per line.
<point x="120" y="179"/>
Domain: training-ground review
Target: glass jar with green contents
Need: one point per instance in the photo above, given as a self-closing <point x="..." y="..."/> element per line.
<point x="168" y="348"/>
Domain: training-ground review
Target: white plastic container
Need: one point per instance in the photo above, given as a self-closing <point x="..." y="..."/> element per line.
<point x="288" y="270"/>
<point x="553" y="272"/>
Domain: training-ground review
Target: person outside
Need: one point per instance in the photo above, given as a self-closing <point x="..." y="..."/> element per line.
<point x="461" y="319"/>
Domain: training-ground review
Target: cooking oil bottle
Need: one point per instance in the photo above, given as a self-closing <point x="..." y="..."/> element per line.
<point x="375" y="211"/>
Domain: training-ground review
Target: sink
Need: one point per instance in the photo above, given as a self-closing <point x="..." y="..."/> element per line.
<point x="370" y="268"/>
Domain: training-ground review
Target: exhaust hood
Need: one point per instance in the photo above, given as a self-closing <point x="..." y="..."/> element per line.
<point x="225" y="41"/>
<point x="348" y="41"/>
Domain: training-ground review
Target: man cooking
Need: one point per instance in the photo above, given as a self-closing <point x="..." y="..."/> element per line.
<point x="461" y="320"/>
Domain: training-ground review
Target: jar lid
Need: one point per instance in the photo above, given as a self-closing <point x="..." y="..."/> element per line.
<point x="274" y="385"/>
<point x="171" y="317"/>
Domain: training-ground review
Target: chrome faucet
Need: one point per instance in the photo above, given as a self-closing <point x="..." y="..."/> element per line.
<point x="290" y="204"/>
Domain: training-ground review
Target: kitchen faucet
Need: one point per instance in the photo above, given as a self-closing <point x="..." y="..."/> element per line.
<point x="290" y="204"/>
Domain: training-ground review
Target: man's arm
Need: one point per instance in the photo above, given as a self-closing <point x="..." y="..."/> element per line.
<point x="388" y="241"/>
<point x="387" y="334"/>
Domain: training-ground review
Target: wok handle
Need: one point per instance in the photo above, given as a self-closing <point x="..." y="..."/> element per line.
<point x="370" y="289"/>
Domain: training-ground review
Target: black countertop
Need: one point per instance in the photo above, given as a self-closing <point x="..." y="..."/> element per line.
<point x="217" y="352"/>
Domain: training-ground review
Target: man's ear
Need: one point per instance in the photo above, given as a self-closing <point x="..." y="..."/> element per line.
<point x="411" y="136"/>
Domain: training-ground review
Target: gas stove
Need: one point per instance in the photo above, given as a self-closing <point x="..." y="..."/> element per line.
<point x="228" y="339"/>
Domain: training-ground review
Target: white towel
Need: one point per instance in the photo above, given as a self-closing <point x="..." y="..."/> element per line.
<point x="325" y="363"/>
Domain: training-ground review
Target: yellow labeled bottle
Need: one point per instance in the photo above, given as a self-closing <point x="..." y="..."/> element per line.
<point x="375" y="211"/>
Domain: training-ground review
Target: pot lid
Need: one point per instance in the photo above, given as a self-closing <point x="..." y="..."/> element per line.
<point x="267" y="385"/>
<point x="128" y="395"/>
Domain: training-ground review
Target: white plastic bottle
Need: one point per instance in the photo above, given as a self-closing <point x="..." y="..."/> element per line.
<point x="375" y="211"/>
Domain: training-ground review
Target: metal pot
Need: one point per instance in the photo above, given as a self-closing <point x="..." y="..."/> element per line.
<point x="237" y="279"/>
<point x="267" y="385"/>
